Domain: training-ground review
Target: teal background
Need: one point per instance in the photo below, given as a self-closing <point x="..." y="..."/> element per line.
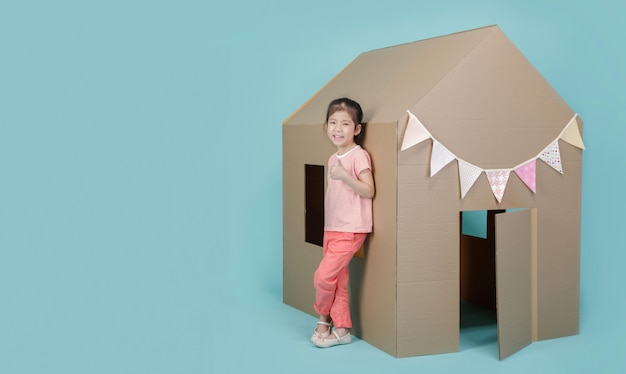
<point x="141" y="181"/>
<point x="474" y="223"/>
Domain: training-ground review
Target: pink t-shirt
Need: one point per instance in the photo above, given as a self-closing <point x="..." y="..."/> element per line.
<point x="344" y="209"/>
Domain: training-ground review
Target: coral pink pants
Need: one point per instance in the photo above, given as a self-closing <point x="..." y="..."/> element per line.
<point x="331" y="277"/>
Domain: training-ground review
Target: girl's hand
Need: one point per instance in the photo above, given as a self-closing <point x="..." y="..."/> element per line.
<point x="338" y="172"/>
<point x="363" y="186"/>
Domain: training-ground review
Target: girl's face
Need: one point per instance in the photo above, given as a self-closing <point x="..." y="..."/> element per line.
<point x="341" y="130"/>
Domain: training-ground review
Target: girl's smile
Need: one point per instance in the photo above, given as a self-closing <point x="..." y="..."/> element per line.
<point x="341" y="130"/>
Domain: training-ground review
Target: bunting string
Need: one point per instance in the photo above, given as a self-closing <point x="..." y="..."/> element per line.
<point x="441" y="156"/>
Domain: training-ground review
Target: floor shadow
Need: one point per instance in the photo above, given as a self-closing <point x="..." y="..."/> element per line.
<point x="473" y="315"/>
<point x="478" y="329"/>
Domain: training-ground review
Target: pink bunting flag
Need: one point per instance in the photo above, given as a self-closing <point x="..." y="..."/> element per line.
<point x="415" y="133"/>
<point x="439" y="157"/>
<point x="527" y="173"/>
<point x="552" y="156"/>
<point x="497" y="181"/>
<point x="468" y="174"/>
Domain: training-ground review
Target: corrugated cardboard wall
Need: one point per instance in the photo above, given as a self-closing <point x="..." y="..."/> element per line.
<point x="302" y="145"/>
<point x="373" y="278"/>
<point x="428" y="247"/>
<point x="558" y="251"/>
<point x="428" y="256"/>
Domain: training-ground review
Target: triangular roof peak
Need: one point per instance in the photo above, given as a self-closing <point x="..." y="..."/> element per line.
<point x="389" y="80"/>
<point x="472" y="86"/>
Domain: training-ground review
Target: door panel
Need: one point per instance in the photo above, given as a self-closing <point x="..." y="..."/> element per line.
<point x="513" y="281"/>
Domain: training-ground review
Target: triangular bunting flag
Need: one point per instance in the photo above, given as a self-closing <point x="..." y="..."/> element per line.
<point x="468" y="174"/>
<point x="527" y="173"/>
<point x="497" y="181"/>
<point x="572" y="134"/>
<point x="552" y="156"/>
<point x="415" y="133"/>
<point x="439" y="157"/>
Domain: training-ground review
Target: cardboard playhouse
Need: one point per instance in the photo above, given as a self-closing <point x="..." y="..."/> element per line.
<point x="456" y="123"/>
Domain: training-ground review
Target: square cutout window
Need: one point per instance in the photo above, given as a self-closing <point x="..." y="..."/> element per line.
<point x="314" y="204"/>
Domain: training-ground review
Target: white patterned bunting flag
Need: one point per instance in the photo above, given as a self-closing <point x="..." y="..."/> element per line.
<point x="439" y="157"/>
<point x="468" y="174"/>
<point x="552" y="156"/>
<point x="415" y="133"/>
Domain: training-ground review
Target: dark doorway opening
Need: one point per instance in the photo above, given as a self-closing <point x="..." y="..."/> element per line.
<point x="478" y="320"/>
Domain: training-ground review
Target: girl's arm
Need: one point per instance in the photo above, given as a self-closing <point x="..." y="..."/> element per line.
<point x="363" y="186"/>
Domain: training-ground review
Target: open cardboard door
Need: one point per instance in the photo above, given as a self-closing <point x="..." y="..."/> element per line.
<point x="513" y="280"/>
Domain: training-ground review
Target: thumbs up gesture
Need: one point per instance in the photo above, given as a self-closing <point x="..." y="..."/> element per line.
<point x="338" y="171"/>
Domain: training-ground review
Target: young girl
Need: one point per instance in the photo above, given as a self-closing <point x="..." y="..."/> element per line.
<point x="347" y="221"/>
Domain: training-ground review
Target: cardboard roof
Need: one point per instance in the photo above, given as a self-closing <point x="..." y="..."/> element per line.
<point x="473" y="90"/>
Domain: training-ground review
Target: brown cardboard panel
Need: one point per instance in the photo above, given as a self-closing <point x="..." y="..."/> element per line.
<point x="513" y="279"/>
<point x="428" y="222"/>
<point x="428" y="256"/>
<point x="373" y="279"/>
<point x="558" y="252"/>
<point x="493" y="109"/>
<point x="428" y="319"/>
<point x="533" y="268"/>
<point x="301" y="145"/>
<point x="388" y="81"/>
